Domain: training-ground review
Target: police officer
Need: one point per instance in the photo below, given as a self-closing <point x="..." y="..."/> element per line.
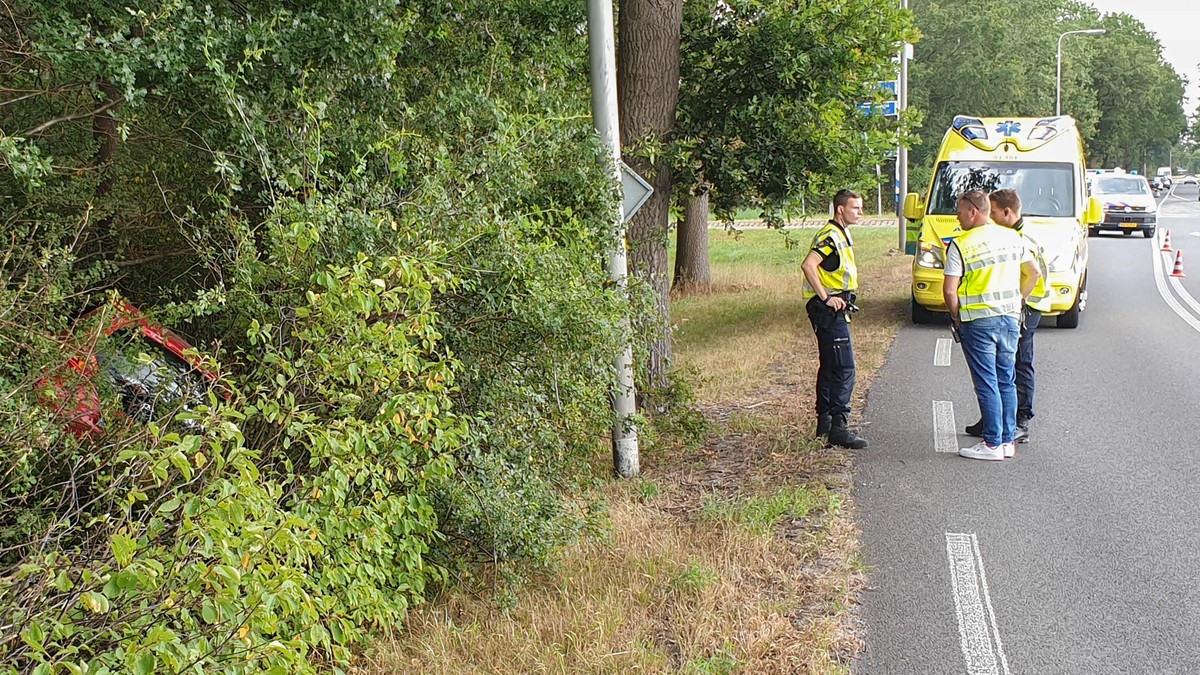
<point x="1006" y="211"/>
<point x="830" y="282"/>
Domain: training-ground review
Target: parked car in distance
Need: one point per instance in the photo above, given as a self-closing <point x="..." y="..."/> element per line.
<point x="1188" y="180"/>
<point x="1156" y="185"/>
<point x="117" y="354"/>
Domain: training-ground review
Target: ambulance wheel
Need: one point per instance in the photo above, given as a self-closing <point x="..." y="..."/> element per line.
<point x="1070" y="318"/>
<point x="922" y="315"/>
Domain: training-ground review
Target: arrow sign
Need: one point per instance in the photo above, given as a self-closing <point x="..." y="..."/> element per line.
<point x="635" y="190"/>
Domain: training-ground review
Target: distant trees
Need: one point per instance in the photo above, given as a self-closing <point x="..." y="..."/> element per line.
<point x="1139" y="96"/>
<point x="997" y="57"/>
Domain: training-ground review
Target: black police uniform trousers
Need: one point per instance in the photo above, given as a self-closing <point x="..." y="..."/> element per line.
<point x="836" y="374"/>
<point x="1025" y="365"/>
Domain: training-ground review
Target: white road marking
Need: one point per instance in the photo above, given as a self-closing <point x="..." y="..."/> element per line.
<point x="945" y="438"/>
<point x="1175" y="283"/>
<point x="941" y="353"/>
<point x="1171" y="194"/>
<point x="1160" y="281"/>
<point x="977" y="627"/>
<point x="1194" y="234"/>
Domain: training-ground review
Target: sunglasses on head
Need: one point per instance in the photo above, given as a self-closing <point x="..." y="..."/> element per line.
<point x="973" y="200"/>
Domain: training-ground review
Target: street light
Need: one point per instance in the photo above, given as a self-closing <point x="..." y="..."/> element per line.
<point x="1058" y="79"/>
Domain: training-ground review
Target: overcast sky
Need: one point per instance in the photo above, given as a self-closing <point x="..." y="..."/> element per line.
<point x="1177" y="25"/>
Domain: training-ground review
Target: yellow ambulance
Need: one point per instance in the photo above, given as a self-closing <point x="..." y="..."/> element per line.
<point x="1042" y="159"/>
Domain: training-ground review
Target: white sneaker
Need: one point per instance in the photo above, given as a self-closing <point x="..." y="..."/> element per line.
<point x="982" y="450"/>
<point x="1010" y="449"/>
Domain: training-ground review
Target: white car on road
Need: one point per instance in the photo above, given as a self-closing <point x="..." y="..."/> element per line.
<point x="1129" y="204"/>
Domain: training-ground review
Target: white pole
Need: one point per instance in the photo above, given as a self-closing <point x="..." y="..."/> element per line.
<point x="602" y="50"/>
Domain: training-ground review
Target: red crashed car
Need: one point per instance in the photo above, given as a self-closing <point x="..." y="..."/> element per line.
<point x="150" y="370"/>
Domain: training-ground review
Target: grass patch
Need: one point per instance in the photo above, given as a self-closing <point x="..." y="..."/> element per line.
<point x="734" y="556"/>
<point x="762" y="514"/>
<point x="753" y="323"/>
<point x="694" y="578"/>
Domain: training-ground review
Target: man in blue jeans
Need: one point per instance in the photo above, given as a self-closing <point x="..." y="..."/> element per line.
<point x="1006" y="211"/>
<point x="988" y="273"/>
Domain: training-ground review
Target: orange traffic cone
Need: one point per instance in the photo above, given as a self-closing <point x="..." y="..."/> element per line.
<point x="1178" y="271"/>
<point x="1166" y="241"/>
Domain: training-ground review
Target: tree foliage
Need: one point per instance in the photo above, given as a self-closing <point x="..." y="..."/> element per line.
<point x="768" y="105"/>
<point x="1139" y="95"/>
<point x="999" y="58"/>
<point x="385" y="221"/>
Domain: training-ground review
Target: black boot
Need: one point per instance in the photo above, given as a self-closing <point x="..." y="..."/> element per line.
<point x="975" y="430"/>
<point x="842" y="435"/>
<point x="824" y="421"/>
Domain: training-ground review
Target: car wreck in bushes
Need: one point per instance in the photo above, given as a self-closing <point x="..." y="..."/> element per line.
<point x="118" y="359"/>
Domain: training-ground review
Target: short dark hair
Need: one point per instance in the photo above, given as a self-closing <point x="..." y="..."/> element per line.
<point x="978" y="199"/>
<point x="843" y="198"/>
<point x="1006" y="199"/>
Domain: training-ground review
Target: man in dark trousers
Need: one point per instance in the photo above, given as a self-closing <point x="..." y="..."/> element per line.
<point x="830" y="282"/>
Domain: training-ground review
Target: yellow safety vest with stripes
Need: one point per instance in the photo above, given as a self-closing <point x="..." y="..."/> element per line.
<point x="1040" y="298"/>
<point x="827" y="241"/>
<point x="991" y="282"/>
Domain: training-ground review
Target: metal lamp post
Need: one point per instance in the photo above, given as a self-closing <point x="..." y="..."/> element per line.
<point x="1058" y="78"/>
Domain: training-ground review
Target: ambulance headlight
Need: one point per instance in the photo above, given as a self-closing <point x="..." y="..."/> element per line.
<point x="930" y="256"/>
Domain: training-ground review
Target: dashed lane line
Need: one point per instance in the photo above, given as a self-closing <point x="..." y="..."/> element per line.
<point x="978" y="630"/>
<point x="941" y="353"/>
<point x="945" y="438"/>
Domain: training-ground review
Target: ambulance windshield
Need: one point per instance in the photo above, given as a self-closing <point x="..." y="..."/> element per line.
<point x="1046" y="188"/>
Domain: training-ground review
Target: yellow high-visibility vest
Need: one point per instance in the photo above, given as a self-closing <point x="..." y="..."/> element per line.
<point x="828" y="240"/>
<point x="1040" y="299"/>
<point x="991" y="282"/>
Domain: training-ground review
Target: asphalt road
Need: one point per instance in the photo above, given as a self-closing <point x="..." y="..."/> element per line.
<point x="1082" y="554"/>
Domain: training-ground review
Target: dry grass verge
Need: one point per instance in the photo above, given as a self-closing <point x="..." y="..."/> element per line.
<point x="739" y="555"/>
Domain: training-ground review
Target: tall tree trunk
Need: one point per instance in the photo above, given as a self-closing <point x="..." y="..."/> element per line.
<point x="692" y="271"/>
<point x="648" y="90"/>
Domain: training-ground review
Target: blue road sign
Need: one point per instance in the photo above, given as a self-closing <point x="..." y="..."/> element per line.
<point x="889" y="86"/>
<point x="887" y="108"/>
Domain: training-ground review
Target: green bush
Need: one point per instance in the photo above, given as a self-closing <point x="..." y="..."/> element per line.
<point x="389" y="234"/>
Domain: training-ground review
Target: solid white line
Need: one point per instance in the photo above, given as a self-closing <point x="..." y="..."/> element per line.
<point x="941" y="353"/>
<point x="945" y="438"/>
<point x="1171" y="194"/>
<point x="978" y="630"/>
<point x="1187" y="297"/>
<point x="987" y="599"/>
<point x="1159" y="280"/>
